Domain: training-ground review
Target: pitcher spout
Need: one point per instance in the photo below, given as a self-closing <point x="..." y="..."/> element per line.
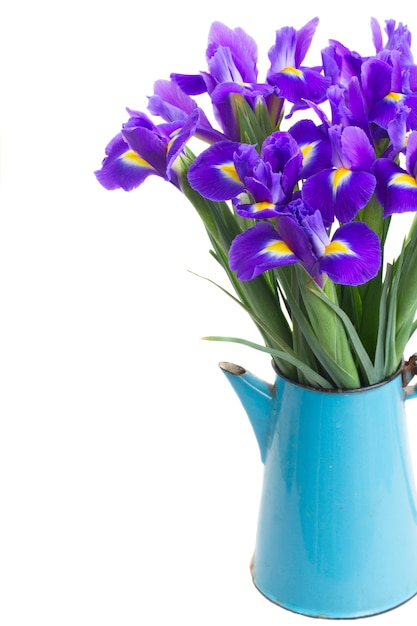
<point x="258" y="400"/>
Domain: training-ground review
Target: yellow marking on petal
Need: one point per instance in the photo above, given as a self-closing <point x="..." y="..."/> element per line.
<point x="230" y="171"/>
<point x="403" y="180"/>
<point x="133" y="158"/>
<point x="307" y="150"/>
<point x="339" y="175"/>
<point x="393" y="96"/>
<point x="172" y="138"/>
<point x="292" y="70"/>
<point x="337" y="247"/>
<point x="278" y="247"/>
<point x="261" y="206"/>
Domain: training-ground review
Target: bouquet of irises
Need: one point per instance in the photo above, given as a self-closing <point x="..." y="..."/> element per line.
<point x="297" y="182"/>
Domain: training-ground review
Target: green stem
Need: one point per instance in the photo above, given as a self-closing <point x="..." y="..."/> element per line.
<point x="259" y="295"/>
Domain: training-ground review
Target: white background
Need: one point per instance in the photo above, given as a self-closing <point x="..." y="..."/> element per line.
<point x="129" y="476"/>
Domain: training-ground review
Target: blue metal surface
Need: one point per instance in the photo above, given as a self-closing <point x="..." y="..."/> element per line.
<point x="337" y="529"/>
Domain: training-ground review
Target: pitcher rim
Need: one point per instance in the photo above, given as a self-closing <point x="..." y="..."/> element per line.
<point x="340" y="391"/>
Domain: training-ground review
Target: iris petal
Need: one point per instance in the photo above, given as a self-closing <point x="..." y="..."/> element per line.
<point x="410" y="101"/>
<point x="396" y="189"/>
<point x="176" y="145"/>
<point x="258" y="189"/>
<point x="341" y="193"/>
<point x="213" y="173"/>
<point x="192" y="85"/>
<point x="357" y="148"/>
<point x="383" y="112"/>
<point x="149" y="145"/>
<point x="353" y="194"/>
<point x="300" y="84"/>
<point x="317" y="191"/>
<point x="354" y="255"/>
<point x="170" y="102"/>
<point x="282" y="53"/>
<point x="257" y="250"/>
<point x="297" y="235"/>
<point x="256" y="210"/>
<point x="375" y="80"/>
<point x="122" y="167"/>
<point x="243" y="49"/>
<point x="314" y="146"/>
<point x="304" y="38"/>
<point x="411" y="154"/>
<point x="223" y="68"/>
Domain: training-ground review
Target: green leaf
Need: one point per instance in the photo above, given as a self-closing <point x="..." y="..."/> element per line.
<point x="367" y="324"/>
<point x="392" y="360"/>
<point x="323" y="344"/>
<point x="365" y="362"/>
<point x="250" y="127"/>
<point x="413" y="329"/>
<point x="263" y="117"/>
<point x="258" y="295"/>
<point x="372" y="215"/>
<point x="407" y="290"/>
<point x="260" y="321"/>
<point x="380" y="362"/>
<point x="310" y="374"/>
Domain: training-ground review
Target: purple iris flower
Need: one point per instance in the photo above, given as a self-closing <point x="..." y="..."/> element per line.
<point x="352" y="256"/>
<point x="399" y="38"/>
<point x="384" y="88"/>
<point x="260" y="184"/>
<point x="397" y="133"/>
<point x="295" y="82"/>
<point x="348" y="185"/>
<point x="348" y="108"/>
<point x="232" y="57"/>
<point x="171" y="104"/>
<point x="346" y="96"/>
<point x="396" y="188"/>
<point x="340" y="64"/>
<point x="314" y="144"/>
<point x="142" y="149"/>
<point x="373" y="87"/>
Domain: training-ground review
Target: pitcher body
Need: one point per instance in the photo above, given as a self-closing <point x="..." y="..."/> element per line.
<point x="337" y="529"/>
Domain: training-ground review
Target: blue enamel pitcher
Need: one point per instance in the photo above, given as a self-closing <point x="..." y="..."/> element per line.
<point x="337" y="526"/>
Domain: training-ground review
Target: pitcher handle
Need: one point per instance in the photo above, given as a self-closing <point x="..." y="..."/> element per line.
<point x="408" y="371"/>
